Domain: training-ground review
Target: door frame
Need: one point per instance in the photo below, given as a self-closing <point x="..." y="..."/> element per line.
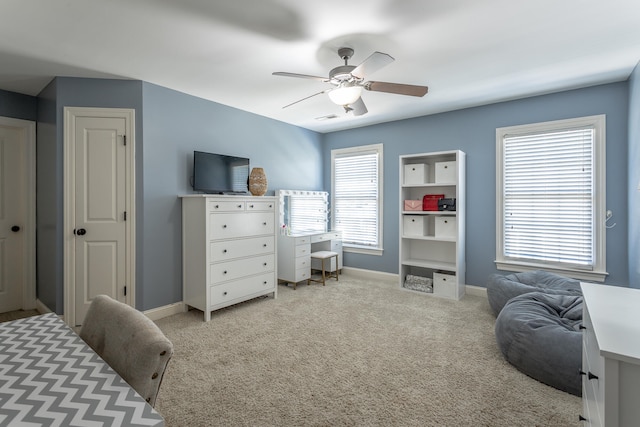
<point x="69" y="179"/>
<point x="28" y="133"/>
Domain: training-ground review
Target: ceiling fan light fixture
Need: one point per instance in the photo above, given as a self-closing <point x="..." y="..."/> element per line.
<point x="345" y="95"/>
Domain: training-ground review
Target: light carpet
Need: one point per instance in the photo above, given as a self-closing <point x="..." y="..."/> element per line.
<point x="352" y="353"/>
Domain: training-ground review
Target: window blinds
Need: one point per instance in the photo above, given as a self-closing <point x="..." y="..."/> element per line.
<point x="356" y="198"/>
<point x="548" y="197"/>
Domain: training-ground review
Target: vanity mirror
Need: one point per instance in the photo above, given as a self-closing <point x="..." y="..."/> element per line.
<point x="303" y="211"/>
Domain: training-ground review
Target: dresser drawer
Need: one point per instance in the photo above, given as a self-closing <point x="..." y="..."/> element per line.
<point x="302" y="250"/>
<point x="302" y="274"/>
<point x="225" y="293"/>
<point x="226" y="205"/>
<point x="222" y="250"/>
<point x="592" y="362"/>
<point x="591" y="404"/>
<point x="302" y="240"/>
<point x="231" y="270"/>
<point x="260" y="206"/>
<point x="230" y="225"/>
<point x="303" y="262"/>
<point x="321" y="237"/>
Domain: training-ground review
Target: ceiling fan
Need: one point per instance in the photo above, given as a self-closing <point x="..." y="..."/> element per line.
<point x="347" y="82"/>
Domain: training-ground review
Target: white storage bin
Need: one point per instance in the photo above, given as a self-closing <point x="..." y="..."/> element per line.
<point x="446" y="172"/>
<point x="445" y="285"/>
<point x="414" y="225"/>
<point x="445" y="226"/>
<point x="416" y="173"/>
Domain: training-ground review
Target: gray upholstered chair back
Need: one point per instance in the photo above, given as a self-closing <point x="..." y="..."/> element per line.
<point x="129" y="342"/>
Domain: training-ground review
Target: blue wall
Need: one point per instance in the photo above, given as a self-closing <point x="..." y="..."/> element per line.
<point x="18" y="106"/>
<point x="473" y="131"/>
<point x="634" y="178"/>
<point x="68" y="92"/>
<point x="175" y="125"/>
<point x="170" y="125"/>
<point x="49" y="218"/>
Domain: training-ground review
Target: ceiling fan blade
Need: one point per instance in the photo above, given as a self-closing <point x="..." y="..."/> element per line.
<point x="302" y="76"/>
<point x="373" y="63"/>
<point x="358" y="107"/>
<point x="397" y="88"/>
<point x="310" y="96"/>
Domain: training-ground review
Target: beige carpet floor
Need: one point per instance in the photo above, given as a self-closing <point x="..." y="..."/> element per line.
<point x="353" y="353"/>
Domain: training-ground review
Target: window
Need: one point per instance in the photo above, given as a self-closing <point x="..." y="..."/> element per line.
<point x="356" y="197"/>
<point x="551" y="197"/>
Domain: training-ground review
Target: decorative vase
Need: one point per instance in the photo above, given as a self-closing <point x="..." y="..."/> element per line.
<point x="257" y="182"/>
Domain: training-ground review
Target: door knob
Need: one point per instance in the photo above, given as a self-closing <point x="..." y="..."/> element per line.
<point x="15" y="228"/>
<point x="81" y="231"/>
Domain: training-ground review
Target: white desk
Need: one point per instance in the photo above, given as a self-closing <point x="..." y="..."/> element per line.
<point x="49" y="376"/>
<point x="611" y="355"/>
<point x="294" y="254"/>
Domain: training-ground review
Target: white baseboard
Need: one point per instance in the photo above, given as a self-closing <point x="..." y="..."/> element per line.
<point x="165" y="311"/>
<point x="368" y="274"/>
<point x="42" y="309"/>
<point x="475" y="290"/>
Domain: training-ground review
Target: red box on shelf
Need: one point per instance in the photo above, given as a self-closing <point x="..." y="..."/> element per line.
<point x="430" y="201"/>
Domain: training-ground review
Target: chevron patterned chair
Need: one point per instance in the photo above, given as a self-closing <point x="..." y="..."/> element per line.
<point x="129" y="342"/>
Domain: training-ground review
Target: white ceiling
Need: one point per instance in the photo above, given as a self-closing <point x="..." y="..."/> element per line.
<point x="469" y="52"/>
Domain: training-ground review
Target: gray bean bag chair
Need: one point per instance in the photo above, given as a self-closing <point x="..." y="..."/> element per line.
<point x="501" y="289"/>
<point x="539" y="334"/>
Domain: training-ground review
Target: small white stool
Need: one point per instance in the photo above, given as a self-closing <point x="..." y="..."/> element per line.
<point x="322" y="256"/>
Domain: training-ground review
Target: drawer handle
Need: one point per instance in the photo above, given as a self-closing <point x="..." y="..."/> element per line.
<point x="224" y="251"/>
<point x="581" y="418"/>
<point x="264" y="223"/>
<point x="217" y="206"/>
<point x="265" y="264"/>
<point x="224" y="293"/>
<point x="239" y="206"/>
<point x="264" y="283"/>
<point x="251" y="206"/>
<point x="224" y="226"/>
<point x="224" y="272"/>
<point x="264" y="245"/>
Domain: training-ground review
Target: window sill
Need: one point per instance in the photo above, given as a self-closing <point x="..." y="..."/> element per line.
<point x="595" y="276"/>
<point x="361" y="250"/>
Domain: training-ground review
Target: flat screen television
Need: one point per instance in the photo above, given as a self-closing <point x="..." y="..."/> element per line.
<point x="219" y="173"/>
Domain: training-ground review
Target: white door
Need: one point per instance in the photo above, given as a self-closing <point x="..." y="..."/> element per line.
<point x="102" y="251"/>
<point x="16" y="226"/>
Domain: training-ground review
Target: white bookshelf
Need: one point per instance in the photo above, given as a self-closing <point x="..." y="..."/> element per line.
<point x="432" y="242"/>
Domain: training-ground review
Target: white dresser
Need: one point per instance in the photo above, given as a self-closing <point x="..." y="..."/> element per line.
<point x="228" y="250"/>
<point x="611" y="356"/>
<point x="294" y="254"/>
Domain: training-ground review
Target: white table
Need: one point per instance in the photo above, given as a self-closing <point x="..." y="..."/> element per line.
<point x="49" y="376"/>
<point x="294" y="253"/>
<point x="611" y="355"/>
